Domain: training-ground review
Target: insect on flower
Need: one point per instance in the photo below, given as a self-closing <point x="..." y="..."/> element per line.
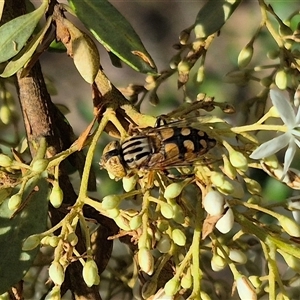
<point x="165" y="146"/>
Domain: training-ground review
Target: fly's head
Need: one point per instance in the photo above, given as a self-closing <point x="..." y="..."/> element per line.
<point x="112" y="161"/>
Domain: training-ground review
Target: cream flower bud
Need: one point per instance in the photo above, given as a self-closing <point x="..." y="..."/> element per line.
<point x="213" y="203"/>
<point x="217" y="263"/>
<point x="238" y="256"/>
<point x="245" y="289"/>
<point x="146" y="260"/>
<point x="225" y="223"/>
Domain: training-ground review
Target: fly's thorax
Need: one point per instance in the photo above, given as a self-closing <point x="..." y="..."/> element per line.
<point x="136" y="151"/>
<point x="112" y="160"/>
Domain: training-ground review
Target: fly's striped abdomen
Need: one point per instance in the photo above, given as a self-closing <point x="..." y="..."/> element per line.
<point x="136" y="151"/>
<point x="185" y="144"/>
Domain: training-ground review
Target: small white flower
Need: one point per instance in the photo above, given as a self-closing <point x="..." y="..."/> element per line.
<point x="291" y="118"/>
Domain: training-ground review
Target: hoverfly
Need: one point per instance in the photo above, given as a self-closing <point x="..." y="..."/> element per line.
<point x="165" y="146"/>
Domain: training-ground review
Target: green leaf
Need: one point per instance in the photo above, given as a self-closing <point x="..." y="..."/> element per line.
<point x="112" y="30"/>
<point x="213" y="15"/>
<point x="15" y="33"/>
<point x="14" y="262"/>
<point x="26" y="53"/>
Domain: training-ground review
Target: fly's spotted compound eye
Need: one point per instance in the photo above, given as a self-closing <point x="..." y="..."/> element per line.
<point x="112" y="160"/>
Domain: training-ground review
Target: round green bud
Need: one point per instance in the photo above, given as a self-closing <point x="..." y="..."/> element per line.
<point x="187" y="280"/>
<point x="178" y="237"/>
<point x="53" y="241"/>
<point x="57" y="273"/>
<point x="113" y="213"/>
<point x="5" y="115"/>
<point x="56" y="196"/>
<point x="245" y="56"/>
<point x="253" y="186"/>
<point x="281" y="79"/>
<point x="238" y="160"/>
<point x="111" y="202"/>
<point x="135" y="222"/>
<point x="5" y="161"/>
<point x="217" y="179"/>
<point x="40" y="165"/>
<point x="167" y="210"/>
<point x="72" y="238"/>
<point x="90" y="273"/>
<point x="178" y="214"/>
<point x="14" y="202"/>
<point x="54" y="294"/>
<point x="173" y="190"/>
<point x="129" y="183"/>
<point x="164" y="244"/>
<point x="122" y="222"/>
<point x="217" y="263"/>
<point x="290" y="226"/>
<point x="162" y="225"/>
<point x="31" y="242"/>
<point x="172" y="287"/>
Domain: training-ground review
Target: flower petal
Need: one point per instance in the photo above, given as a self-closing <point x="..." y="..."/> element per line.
<point x="283" y="107"/>
<point x="298" y="116"/>
<point x="289" y="155"/>
<point x="270" y="147"/>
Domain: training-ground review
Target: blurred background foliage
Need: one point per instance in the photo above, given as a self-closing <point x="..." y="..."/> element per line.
<point x="159" y="23"/>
